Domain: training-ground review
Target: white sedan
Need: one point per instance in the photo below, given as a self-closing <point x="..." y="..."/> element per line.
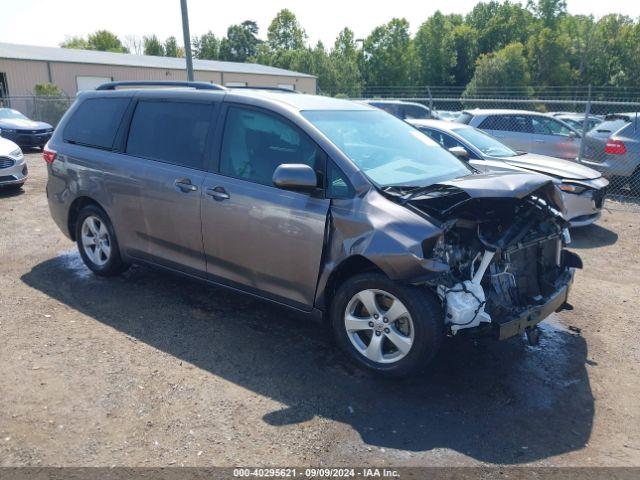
<point x="13" y="168"/>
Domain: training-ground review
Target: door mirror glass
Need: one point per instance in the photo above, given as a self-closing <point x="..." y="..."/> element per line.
<point x="460" y="152"/>
<point x="295" y="176"/>
<point x="573" y="134"/>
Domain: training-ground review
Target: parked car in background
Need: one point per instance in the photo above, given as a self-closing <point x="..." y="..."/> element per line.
<point x="527" y="131"/>
<point x="613" y="148"/>
<point x="330" y="207"/>
<point x="22" y="130"/>
<point x="13" y="168"/>
<point x="576" y="120"/>
<point x="402" y="110"/>
<point x="583" y="189"/>
<point x="448" y="115"/>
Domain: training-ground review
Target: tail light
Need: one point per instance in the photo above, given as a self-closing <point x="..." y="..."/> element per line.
<point x="49" y="155"/>
<point x="615" y="147"/>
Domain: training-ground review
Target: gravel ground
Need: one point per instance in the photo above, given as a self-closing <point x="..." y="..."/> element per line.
<point x="154" y="370"/>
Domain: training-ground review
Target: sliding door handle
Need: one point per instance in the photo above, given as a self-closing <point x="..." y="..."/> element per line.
<point x="218" y="193"/>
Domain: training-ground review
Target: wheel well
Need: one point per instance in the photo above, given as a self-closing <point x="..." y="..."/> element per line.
<point x="348" y="268"/>
<point x="74" y="210"/>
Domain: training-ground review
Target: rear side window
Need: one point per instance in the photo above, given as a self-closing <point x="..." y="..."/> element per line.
<point x="507" y="123"/>
<point x="414" y="111"/>
<point x="632" y="130"/>
<point x="172" y="132"/>
<point x="464" y="117"/>
<point x="95" y="122"/>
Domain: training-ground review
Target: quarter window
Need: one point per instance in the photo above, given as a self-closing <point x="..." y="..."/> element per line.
<point x="172" y="132"/>
<point x="256" y="143"/>
<point x="95" y="122"/>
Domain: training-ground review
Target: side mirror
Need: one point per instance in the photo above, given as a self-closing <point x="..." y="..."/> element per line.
<point x="460" y="152"/>
<point x="295" y="176"/>
<point x="573" y="134"/>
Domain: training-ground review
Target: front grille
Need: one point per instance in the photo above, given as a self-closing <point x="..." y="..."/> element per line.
<point x="6" y="162"/>
<point x="31" y="132"/>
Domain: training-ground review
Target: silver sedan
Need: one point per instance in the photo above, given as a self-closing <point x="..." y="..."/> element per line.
<point x="582" y="187"/>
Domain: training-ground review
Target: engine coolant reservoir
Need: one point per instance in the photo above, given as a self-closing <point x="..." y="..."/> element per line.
<point x="464" y="305"/>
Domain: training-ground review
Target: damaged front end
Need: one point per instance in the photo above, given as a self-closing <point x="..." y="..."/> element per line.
<point x="503" y="240"/>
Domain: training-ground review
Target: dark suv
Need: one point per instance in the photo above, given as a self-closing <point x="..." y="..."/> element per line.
<point x="329" y="207"/>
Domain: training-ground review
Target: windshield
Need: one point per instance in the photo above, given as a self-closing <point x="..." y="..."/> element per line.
<point x="389" y="151"/>
<point x="485" y="143"/>
<point x="9" y="113"/>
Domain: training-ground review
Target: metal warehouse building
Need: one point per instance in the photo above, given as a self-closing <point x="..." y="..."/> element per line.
<point x="24" y="66"/>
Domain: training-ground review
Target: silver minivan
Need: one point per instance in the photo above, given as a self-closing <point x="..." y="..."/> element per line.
<point x="527" y="131"/>
<point x="332" y="208"/>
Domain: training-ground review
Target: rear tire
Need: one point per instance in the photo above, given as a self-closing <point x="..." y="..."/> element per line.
<point x="97" y="242"/>
<point x="399" y="337"/>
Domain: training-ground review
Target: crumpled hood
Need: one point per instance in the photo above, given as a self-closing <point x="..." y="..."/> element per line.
<point x="500" y="184"/>
<point x="19" y="123"/>
<point x="553" y="166"/>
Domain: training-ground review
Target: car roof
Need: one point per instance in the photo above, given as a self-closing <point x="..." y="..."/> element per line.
<point x="300" y="101"/>
<point x="500" y="111"/>
<point x="288" y="100"/>
<point x="392" y="102"/>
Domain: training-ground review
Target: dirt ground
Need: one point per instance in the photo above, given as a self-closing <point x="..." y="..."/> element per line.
<point x="153" y="370"/>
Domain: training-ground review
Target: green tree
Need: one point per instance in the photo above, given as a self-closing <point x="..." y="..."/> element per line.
<point x="102" y="40"/>
<point x="344" y="57"/>
<point x="387" y="53"/>
<point x="152" y="46"/>
<point x="548" y="55"/>
<point x="241" y="42"/>
<point x="75" y="42"/>
<point x="285" y="33"/>
<point x="50" y="103"/>
<point x="465" y="40"/>
<point x="499" y="24"/>
<point x="435" y="51"/>
<point x="580" y="30"/>
<point x="505" y="68"/>
<point x="172" y="49"/>
<point x="105" y="41"/>
<point x="548" y="11"/>
<point x="206" y="47"/>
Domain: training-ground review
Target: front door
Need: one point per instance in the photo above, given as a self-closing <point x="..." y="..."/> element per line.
<point x="256" y="236"/>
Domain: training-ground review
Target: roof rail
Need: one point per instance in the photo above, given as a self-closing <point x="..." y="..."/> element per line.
<point x="274" y="89"/>
<point x="152" y="83"/>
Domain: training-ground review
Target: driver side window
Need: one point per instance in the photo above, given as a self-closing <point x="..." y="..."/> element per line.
<point x="256" y="143"/>
<point x="549" y="126"/>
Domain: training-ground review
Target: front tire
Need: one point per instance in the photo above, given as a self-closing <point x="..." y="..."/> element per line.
<point x="388" y="328"/>
<point x="97" y="242"/>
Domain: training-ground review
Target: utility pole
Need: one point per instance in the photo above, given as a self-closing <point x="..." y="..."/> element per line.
<point x="187" y="39"/>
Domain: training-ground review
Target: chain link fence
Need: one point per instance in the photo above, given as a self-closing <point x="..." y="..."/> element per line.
<point x="37" y="107"/>
<point x="597" y="128"/>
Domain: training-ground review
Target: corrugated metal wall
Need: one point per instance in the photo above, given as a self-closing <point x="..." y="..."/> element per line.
<point x="23" y="75"/>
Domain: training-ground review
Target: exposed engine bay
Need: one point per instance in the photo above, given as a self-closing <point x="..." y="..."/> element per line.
<point x="505" y="255"/>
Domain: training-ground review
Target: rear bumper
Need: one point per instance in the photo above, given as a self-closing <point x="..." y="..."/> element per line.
<point x="532" y="316"/>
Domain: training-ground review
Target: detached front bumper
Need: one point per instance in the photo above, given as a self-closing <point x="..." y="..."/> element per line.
<point x="512" y="326"/>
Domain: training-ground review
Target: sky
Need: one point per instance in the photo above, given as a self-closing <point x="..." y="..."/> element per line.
<point x="49" y="22"/>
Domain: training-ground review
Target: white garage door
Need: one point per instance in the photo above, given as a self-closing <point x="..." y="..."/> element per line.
<point x="90" y="83"/>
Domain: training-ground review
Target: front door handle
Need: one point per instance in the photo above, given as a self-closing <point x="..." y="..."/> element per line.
<point x="185" y="185"/>
<point x="539" y="141"/>
<point x="218" y="193"/>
